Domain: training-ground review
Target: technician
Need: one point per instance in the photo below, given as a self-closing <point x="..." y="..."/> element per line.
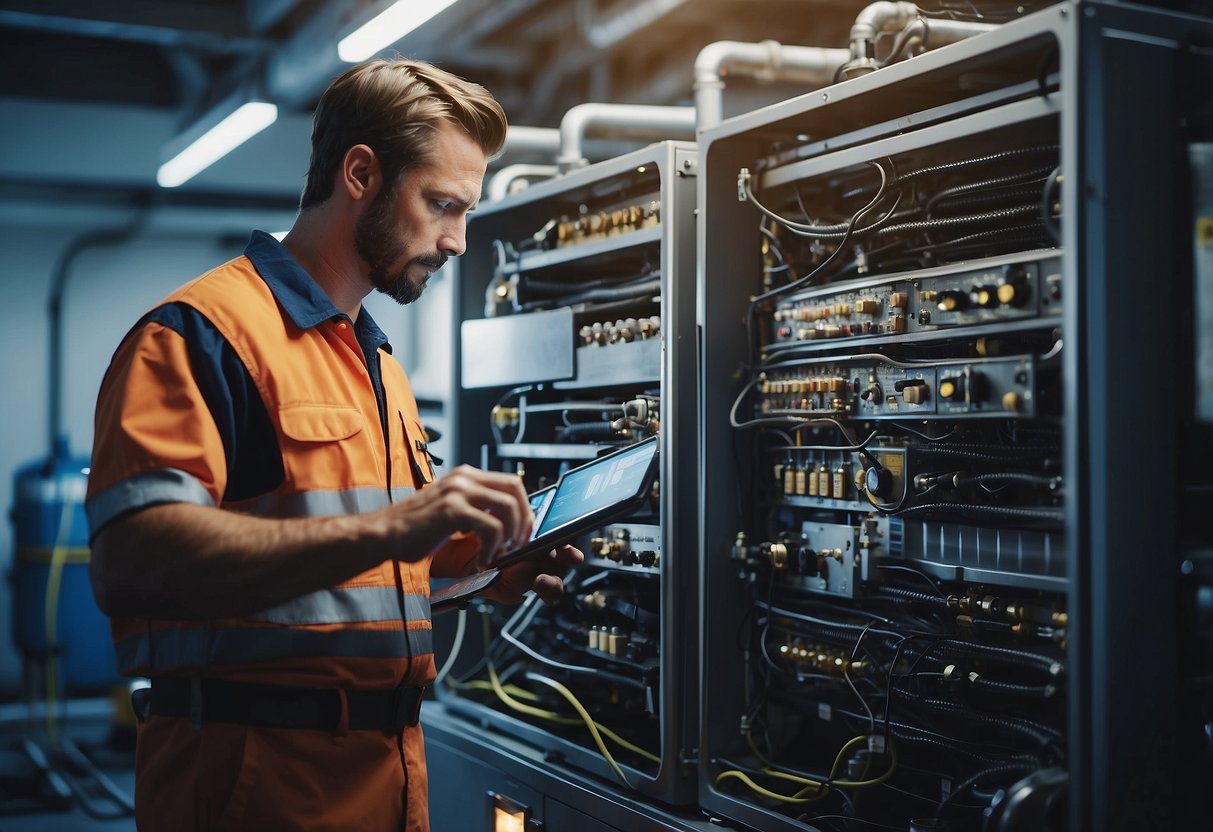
<point x="264" y="514"/>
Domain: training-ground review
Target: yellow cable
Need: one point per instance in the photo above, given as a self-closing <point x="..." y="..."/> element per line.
<point x="589" y="723"/>
<point x="795" y="778"/>
<point x="744" y="778"/>
<point x="595" y="727"/>
<point x="522" y="707"/>
<point x="841" y="757"/>
<point x="521" y="693"/>
<point x="863" y="784"/>
<point x="635" y="749"/>
<point x="480" y="684"/>
<point x="822" y="788"/>
<point x="54" y="579"/>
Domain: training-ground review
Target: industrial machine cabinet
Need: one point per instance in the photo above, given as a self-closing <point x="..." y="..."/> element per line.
<point x="576" y="313"/>
<point x="946" y="311"/>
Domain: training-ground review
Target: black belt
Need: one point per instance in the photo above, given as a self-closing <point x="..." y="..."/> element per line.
<point x="278" y="706"/>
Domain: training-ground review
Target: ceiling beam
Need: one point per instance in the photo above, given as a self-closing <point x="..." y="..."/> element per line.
<point x="212" y="28"/>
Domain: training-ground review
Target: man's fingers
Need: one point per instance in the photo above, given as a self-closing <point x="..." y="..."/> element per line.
<point x="501" y="495"/>
<point x="568" y="556"/>
<point x="548" y="588"/>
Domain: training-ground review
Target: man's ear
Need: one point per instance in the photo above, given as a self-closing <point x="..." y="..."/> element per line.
<point x="360" y="173"/>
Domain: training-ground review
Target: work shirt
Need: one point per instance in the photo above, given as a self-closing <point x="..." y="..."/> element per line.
<point x="248" y="390"/>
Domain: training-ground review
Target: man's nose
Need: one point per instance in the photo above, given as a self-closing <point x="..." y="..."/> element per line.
<point x="454" y="239"/>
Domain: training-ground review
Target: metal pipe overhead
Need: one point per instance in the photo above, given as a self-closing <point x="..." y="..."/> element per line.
<point x="766" y="61"/>
<point x="886" y="17"/>
<point x="501" y="181"/>
<point x="522" y="139"/>
<point x="620" y="119"/>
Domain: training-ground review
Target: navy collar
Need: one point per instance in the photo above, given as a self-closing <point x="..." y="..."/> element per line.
<point x="301" y="297"/>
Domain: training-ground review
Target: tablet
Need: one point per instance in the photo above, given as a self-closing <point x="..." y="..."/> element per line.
<point x="582" y="499"/>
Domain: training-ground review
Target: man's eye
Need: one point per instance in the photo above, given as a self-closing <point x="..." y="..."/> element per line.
<point x="442" y="205"/>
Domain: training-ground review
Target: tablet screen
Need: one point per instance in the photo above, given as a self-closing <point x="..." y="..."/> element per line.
<point x="540" y="500"/>
<point x="598" y="485"/>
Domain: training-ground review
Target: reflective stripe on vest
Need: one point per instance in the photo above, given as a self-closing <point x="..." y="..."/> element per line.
<point x="321" y="503"/>
<point x="340" y="605"/>
<point x="351" y="605"/>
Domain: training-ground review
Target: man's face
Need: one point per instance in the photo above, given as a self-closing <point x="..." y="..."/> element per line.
<point x="407" y="233"/>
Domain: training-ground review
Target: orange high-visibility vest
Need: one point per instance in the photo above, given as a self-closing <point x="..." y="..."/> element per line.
<point x="340" y="455"/>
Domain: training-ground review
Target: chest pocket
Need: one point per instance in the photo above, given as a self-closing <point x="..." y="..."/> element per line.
<point x="324" y="445"/>
<point x="416" y="451"/>
<point x="319" y="422"/>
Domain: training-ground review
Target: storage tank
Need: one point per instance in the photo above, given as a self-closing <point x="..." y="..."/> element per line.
<point x="52" y="599"/>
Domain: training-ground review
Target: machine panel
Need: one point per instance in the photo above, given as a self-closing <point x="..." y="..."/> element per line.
<point x="599" y="263"/>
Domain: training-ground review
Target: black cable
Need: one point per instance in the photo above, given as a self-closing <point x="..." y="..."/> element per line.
<point x="918" y="573"/>
<point x="1012" y="768"/>
<point x="912" y="595"/>
<point x="840" y="229"/>
<point x="998" y="215"/>
<point x="1000" y="196"/>
<point x="961" y="164"/>
<point x="986" y="453"/>
<point x="848" y="629"/>
<point x="629" y="291"/>
<point x="951" y="649"/>
<point x="1040" y="734"/>
<point x="1052" y="223"/>
<point x="563" y="287"/>
<point x="776" y="245"/>
<point x="1011" y="688"/>
<point x="991" y="184"/>
<point x="917" y="734"/>
<point x="994" y="511"/>
<point x="888" y="691"/>
<point x="1007" y="476"/>
<point x="922" y="736"/>
<point x="1024" y="235"/>
<point x="808" y="278"/>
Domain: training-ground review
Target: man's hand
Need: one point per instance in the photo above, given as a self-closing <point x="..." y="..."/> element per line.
<point x="542" y="573"/>
<point x="491" y="507"/>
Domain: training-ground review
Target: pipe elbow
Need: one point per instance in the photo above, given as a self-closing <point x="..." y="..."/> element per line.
<point x="501" y="184"/>
<point x="713" y="60"/>
<point x="573" y="126"/>
<point x="635" y="119"/>
<point x="882" y="16"/>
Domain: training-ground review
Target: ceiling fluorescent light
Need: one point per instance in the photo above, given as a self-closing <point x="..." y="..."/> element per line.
<point x="387" y="27"/>
<point x="239" y="125"/>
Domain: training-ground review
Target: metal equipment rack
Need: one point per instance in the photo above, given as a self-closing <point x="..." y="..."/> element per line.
<point x="577" y="309"/>
<point x="1114" y="90"/>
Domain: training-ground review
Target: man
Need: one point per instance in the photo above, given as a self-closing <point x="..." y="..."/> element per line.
<point x="262" y="503"/>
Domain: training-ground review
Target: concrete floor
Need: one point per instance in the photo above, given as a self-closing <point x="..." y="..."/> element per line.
<point x="28" y="804"/>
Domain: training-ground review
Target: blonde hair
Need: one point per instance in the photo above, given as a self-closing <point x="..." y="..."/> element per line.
<point x="393" y="107"/>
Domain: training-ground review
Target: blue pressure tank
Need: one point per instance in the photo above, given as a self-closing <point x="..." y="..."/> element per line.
<point x="50" y="571"/>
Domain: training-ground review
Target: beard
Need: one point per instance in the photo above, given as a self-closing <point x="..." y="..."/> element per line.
<point x="378" y="243"/>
